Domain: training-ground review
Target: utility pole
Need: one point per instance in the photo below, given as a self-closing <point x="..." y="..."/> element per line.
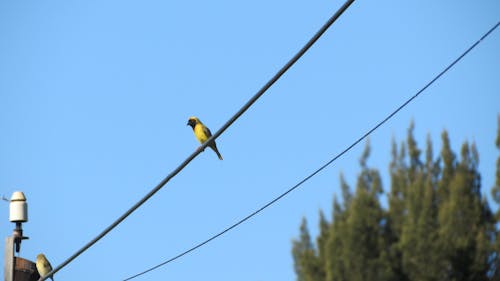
<point x="17" y="268"/>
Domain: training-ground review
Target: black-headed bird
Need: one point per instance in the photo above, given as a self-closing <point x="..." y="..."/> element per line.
<point x="202" y="133"/>
<point x="43" y="266"/>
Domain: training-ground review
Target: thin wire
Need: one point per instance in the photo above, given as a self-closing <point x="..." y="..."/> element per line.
<point x="322" y="167"/>
<point x="275" y="78"/>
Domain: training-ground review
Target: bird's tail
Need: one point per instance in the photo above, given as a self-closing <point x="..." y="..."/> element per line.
<point x="214" y="148"/>
<point x="218" y="155"/>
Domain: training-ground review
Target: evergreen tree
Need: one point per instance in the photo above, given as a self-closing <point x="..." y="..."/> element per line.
<point x="495" y="192"/>
<point x="346" y="192"/>
<point x="398" y="191"/>
<point x="419" y="230"/>
<point x="322" y="241"/>
<point x="307" y="264"/>
<point x="438" y="226"/>
<point x="397" y="209"/>
<point x="449" y="163"/>
<point x="336" y="268"/>
<point x="462" y="222"/>
<point x="364" y="248"/>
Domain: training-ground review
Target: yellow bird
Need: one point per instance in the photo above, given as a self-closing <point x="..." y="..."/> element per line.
<point x="43" y="266"/>
<point x="202" y="133"/>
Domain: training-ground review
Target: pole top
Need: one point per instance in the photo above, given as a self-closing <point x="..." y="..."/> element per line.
<point x="18" y="196"/>
<point x="18" y="208"/>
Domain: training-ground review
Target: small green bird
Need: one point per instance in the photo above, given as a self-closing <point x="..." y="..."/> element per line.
<point x="202" y="133"/>
<point x="43" y="266"/>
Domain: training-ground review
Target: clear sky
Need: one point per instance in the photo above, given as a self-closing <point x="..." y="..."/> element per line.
<point x="95" y="96"/>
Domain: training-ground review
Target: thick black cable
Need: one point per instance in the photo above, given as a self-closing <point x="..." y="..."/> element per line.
<point x="322" y="167"/>
<point x="275" y="78"/>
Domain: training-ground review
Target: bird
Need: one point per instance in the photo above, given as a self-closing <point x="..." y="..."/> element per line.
<point x="43" y="266"/>
<point x="202" y="133"/>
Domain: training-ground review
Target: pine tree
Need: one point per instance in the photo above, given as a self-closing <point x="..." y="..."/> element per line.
<point x="438" y="226"/>
<point x="307" y="264"/>
<point x="364" y="255"/>
<point x="419" y="231"/>
<point x="300" y="249"/>
<point x="398" y="191"/>
<point x="322" y="242"/>
<point x="462" y="222"/>
<point x="336" y="268"/>
<point x="346" y="192"/>
<point x="448" y="170"/>
<point x="495" y="192"/>
<point x="397" y="209"/>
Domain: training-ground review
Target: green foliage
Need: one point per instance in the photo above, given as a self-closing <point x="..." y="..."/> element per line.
<point x="437" y="226"/>
<point x="495" y="270"/>
<point x="495" y="192"/>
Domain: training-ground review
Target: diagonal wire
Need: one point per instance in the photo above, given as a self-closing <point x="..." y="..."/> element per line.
<point x="324" y="165"/>
<point x="245" y="107"/>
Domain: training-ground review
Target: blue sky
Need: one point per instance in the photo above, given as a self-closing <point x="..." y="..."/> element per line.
<point x="95" y="96"/>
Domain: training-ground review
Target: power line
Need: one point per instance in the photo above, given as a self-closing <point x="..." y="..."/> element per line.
<point x="324" y="165"/>
<point x="275" y="78"/>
